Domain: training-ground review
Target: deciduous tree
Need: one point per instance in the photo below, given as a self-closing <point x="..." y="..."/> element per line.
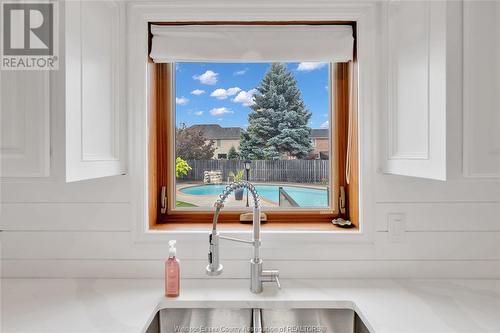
<point x="190" y="144"/>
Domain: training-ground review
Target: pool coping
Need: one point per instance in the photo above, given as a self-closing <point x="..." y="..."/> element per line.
<point x="209" y="199"/>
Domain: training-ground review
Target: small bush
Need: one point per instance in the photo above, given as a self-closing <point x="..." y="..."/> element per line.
<point x="181" y="167"/>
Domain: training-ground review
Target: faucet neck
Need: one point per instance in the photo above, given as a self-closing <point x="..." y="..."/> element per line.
<point x="219" y="204"/>
<point x="256" y="232"/>
<point x="215" y="219"/>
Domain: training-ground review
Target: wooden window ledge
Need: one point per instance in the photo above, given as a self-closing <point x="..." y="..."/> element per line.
<point x="228" y="226"/>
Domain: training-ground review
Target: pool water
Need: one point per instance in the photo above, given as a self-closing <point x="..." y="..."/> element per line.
<point x="304" y="196"/>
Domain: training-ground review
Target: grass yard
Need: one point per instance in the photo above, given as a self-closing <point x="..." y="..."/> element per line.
<point x="184" y="204"/>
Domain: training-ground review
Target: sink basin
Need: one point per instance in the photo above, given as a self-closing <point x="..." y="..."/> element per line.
<point x="256" y="320"/>
<point x="205" y="320"/>
<point x="311" y="320"/>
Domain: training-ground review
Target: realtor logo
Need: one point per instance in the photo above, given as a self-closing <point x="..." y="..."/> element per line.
<point x="29" y="36"/>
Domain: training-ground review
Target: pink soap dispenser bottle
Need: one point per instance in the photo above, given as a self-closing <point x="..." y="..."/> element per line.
<point x="172" y="272"/>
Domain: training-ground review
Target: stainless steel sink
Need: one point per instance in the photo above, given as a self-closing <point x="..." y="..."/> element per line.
<point x="257" y="321"/>
<point x="205" y="320"/>
<point x="311" y="320"/>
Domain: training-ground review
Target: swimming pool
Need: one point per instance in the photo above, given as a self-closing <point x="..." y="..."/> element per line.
<point x="306" y="197"/>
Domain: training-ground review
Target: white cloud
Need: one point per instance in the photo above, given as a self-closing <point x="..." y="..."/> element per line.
<point x="225" y="93"/>
<point x="240" y="72"/>
<point x="310" y="66"/>
<point x="209" y="77"/>
<point x="198" y="113"/>
<point x="233" y="91"/>
<point x="245" y="97"/>
<point x="220" y="111"/>
<point x="197" y="92"/>
<point x="181" y="100"/>
<point x="326" y="124"/>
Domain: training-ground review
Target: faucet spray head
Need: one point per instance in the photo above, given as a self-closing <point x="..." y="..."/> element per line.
<point x="213" y="267"/>
<point x="211" y="271"/>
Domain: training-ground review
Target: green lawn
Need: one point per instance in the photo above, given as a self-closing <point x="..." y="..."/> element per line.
<point x="184" y="204"/>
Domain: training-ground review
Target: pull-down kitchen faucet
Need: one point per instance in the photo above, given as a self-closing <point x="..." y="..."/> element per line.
<point x="257" y="274"/>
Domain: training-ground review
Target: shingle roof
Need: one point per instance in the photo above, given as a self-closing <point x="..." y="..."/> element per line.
<point x="214" y="131"/>
<point x="319" y="132"/>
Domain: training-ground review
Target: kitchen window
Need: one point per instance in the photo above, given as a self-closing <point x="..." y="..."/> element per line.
<point x="224" y="110"/>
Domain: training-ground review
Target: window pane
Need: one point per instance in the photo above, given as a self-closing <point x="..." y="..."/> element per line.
<point x="268" y="123"/>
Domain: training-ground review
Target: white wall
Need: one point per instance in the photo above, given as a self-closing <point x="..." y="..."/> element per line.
<point x="84" y="229"/>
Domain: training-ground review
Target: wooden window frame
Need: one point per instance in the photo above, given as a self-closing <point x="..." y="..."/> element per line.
<point x="161" y="150"/>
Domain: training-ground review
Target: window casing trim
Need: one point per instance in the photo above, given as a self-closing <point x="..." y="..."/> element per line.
<point x="369" y="53"/>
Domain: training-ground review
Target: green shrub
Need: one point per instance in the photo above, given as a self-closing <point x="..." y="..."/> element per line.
<point x="181" y="167"/>
<point x="237" y="176"/>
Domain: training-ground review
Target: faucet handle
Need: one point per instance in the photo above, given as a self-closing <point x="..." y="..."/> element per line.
<point x="271" y="275"/>
<point x="277" y="280"/>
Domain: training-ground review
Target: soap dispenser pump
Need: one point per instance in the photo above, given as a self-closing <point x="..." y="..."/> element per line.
<point x="172" y="272"/>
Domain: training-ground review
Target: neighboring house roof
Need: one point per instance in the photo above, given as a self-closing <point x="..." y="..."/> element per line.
<point x="319" y="133"/>
<point x="214" y="132"/>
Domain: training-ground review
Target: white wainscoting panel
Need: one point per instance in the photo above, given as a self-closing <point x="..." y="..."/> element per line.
<point x="481" y="87"/>
<point x="416" y="128"/>
<point x="409" y="49"/>
<point x="443" y="216"/>
<point x="114" y="245"/>
<point x="95" y="109"/>
<point x="297" y="269"/>
<point x="51" y="228"/>
<point x="54" y="216"/>
<point x="25" y="124"/>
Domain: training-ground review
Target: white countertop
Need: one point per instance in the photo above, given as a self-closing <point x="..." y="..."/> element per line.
<point x="127" y="305"/>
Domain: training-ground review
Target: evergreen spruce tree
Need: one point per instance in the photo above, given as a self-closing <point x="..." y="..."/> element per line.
<point x="278" y="123"/>
<point x="232" y="154"/>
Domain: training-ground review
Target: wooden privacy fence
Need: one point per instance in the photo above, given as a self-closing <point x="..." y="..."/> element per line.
<point x="296" y="171"/>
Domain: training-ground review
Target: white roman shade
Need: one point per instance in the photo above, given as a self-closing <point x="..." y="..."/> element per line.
<point x="231" y="43"/>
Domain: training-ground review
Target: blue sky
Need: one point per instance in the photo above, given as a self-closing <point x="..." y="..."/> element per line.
<point x="214" y="93"/>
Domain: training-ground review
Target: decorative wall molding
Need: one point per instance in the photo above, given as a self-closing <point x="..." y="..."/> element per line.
<point x="25" y="124"/>
<point x="296" y="269"/>
<point x="415" y="143"/>
<point x="481" y="84"/>
<point x="110" y="44"/>
<point x="95" y="84"/>
<point x="86" y="229"/>
<point x="396" y="37"/>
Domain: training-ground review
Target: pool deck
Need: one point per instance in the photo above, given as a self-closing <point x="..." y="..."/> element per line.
<point x="208" y="200"/>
